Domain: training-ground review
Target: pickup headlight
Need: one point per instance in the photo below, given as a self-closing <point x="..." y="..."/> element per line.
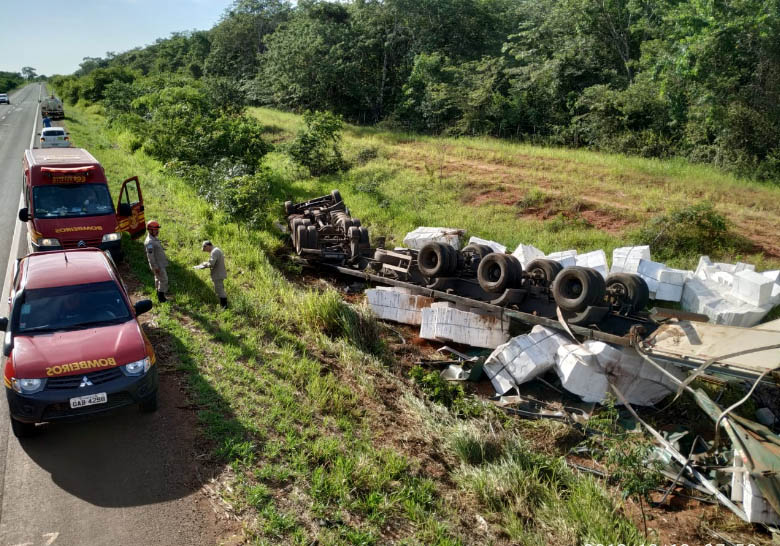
<point x="139" y="367"/>
<point x="28" y="386"/>
<point x="108" y="237"/>
<point x="47" y="241"/>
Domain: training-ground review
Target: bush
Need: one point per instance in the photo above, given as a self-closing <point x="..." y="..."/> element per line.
<point x="696" y="229"/>
<point x="317" y="147"/>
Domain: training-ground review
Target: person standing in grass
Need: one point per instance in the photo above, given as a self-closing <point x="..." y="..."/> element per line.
<point x="216" y="263"/>
<point x="158" y="261"/>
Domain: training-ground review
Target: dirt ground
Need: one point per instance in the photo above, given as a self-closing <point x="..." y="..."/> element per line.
<point x="218" y="525"/>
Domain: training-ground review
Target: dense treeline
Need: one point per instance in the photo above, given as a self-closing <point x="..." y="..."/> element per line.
<point x="10" y="80"/>
<point x="658" y="78"/>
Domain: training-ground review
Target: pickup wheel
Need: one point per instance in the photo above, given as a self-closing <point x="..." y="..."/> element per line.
<point x="496" y="272"/>
<point x="575" y="288"/>
<point x="434" y="260"/>
<point x="23" y="430"/>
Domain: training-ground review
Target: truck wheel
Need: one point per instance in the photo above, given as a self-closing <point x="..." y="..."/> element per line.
<point x="148" y="404"/>
<point x="628" y="289"/>
<point x="356" y="222"/>
<point x="573" y="289"/>
<point x="300" y="237"/>
<point x="364" y="240"/>
<point x="23" y="430"/>
<point x="312" y="237"/>
<point x="336" y="196"/>
<point x="478" y="251"/>
<point x="496" y="272"/>
<point x="434" y="260"/>
<point x="544" y="270"/>
<point x="598" y="289"/>
<point x="288" y="207"/>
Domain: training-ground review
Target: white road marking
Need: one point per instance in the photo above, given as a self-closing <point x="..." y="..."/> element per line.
<point x="51" y="536"/>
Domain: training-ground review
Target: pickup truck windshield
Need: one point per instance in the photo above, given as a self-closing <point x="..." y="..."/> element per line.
<point x="70" y="307"/>
<point x="71" y="200"/>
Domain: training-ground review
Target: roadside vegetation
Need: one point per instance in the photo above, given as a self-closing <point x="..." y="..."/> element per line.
<point x="696" y="80"/>
<point x="10" y="81"/>
<point x="300" y="397"/>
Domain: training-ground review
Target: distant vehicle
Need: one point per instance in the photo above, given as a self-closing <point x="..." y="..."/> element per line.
<point x="54" y="137"/>
<point x="68" y="205"/>
<point x="52" y="107"/>
<point x="4" y="98"/>
<point x="73" y="342"/>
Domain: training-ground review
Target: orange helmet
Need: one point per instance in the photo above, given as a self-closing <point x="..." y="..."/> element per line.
<point x="153" y="225"/>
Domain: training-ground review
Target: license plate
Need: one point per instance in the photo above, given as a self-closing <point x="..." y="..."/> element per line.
<point x="89" y="400"/>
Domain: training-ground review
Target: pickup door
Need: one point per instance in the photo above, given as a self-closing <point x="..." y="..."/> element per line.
<point x="130" y="208"/>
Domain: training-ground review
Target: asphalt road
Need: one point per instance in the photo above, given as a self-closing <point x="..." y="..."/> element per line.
<point x="124" y="479"/>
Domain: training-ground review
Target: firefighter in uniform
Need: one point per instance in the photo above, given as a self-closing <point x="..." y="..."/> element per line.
<point x="216" y="263"/>
<point x="158" y="261"/>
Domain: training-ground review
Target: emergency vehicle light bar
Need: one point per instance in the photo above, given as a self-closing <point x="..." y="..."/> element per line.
<point x="68" y="174"/>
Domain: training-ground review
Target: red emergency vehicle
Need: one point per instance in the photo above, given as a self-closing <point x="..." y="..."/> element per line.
<point x="68" y="205"/>
<point x="73" y="344"/>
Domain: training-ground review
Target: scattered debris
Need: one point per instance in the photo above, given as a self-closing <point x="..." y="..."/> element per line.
<point x="442" y="321"/>
<point x="523" y="358"/>
<point x="397" y="304"/>
<point x="595" y="260"/>
<point x="625" y="259"/>
<point x="664" y="283"/>
<point x="526" y="254"/>
<point x="422" y="235"/>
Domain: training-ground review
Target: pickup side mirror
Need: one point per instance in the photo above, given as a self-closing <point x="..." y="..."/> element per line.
<point x="24" y="214"/>
<point x="142" y="306"/>
<point x="8" y="344"/>
<point x="125" y="209"/>
<point x="3" y="324"/>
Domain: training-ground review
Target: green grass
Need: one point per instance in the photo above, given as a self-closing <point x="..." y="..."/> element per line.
<point x="514" y="193"/>
<point x="287" y="383"/>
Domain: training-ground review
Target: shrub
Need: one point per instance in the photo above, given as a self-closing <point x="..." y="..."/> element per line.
<point x="317" y="147"/>
<point x="696" y="229"/>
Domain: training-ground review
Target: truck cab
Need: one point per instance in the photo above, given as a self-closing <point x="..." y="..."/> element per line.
<point x="68" y="203"/>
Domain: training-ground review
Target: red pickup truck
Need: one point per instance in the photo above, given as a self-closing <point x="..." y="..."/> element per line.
<point x="73" y="344"/>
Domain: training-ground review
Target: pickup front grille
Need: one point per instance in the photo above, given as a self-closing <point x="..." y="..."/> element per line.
<point x="73" y="381"/>
<point x="63" y="409"/>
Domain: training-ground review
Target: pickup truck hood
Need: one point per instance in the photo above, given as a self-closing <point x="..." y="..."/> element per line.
<point x="77" y="351"/>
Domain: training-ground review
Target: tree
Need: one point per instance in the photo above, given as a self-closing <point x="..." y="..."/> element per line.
<point x="28" y="72"/>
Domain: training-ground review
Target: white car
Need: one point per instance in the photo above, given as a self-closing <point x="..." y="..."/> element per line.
<point x="4" y="98"/>
<point x="54" y="137"/>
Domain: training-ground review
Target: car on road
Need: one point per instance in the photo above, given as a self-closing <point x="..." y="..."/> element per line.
<point x="73" y="343"/>
<point x="54" y="137"/>
<point x="4" y="98"/>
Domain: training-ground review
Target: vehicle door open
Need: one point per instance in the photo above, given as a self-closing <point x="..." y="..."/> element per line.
<point x="130" y="208"/>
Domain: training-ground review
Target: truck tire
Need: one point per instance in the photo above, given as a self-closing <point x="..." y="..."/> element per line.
<point x="336" y="196"/>
<point x="545" y="270"/>
<point x="356" y="222"/>
<point x="23" y="430"/>
<point x="479" y="251"/>
<point x="300" y="237"/>
<point x="365" y="242"/>
<point x="288" y="207"/>
<point x="312" y="237"/>
<point x="575" y="288"/>
<point x="496" y="272"/>
<point x="630" y="289"/>
<point x="434" y="260"/>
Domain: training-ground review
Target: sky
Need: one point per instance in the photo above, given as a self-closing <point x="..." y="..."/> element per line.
<point x="54" y="36"/>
